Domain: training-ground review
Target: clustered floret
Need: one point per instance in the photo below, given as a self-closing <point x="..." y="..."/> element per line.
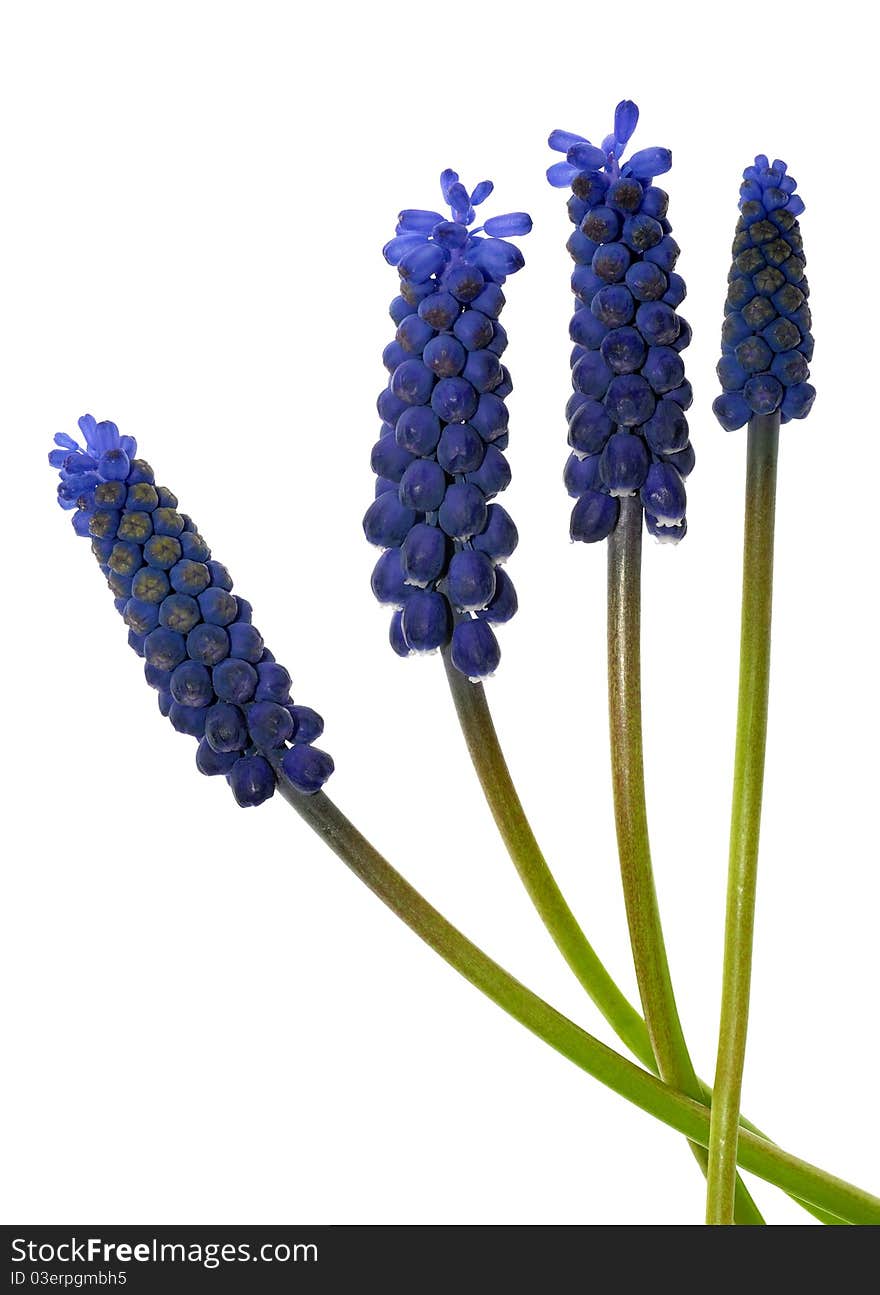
<point x="766" y="343"/>
<point x="439" y="459"/>
<point x="626" y="422"/>
<point x="216" y="679"/>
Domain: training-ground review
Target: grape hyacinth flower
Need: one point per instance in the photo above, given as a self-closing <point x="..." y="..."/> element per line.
<point x="766" y="343"/>
<point x="766" y="349"/>
<point x="630" y="453"/>
<point x="626" y="419"/>
<point x="439" y="459"/>
<point x="215" y="678"/>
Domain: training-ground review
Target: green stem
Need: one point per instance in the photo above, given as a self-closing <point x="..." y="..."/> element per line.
<point x="745" y="820"/>
<point x="534" y="872"/>
<point x="631" y="817"/>
<point x="646" y="1091"/>
<point x="503" y="800"/>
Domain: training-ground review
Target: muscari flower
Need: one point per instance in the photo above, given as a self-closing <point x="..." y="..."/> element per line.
<point x="439" y="458"/>
<point x="766" y="343"/>
<point x="626" y="422"/>
<point x="215" y="678"/>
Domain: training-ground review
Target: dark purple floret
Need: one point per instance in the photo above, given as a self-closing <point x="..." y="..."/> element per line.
<point x="216" y="680"/>
<point x="440" y="460"/>
<point x="626" y="417"/>
<point x="766" y="343"/>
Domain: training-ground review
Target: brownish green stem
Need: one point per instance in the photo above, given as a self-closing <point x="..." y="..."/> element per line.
<point x="745" y="820"/>
<point x="688" y="1117"/>
<point x="516" y="832"/>
<point x="631" y="818"/>
<point x="478" y="729"/>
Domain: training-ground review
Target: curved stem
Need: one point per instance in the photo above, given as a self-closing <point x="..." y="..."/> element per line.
<point x="691" y="1118"/>
<point x="745" y="821"/>
<point x="501" y="795"/>
<point x="543" y="890"/>
<point x="631" y="818"/>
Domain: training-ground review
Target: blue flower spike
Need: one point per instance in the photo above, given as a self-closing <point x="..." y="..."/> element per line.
<point x="766" y="343"/>
<point x="627" y="428"/>
<point x="439" y="460"/>
<point x="216" y="679"/>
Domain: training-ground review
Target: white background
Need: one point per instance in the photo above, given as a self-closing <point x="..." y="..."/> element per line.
<point x="208" y="1019"/>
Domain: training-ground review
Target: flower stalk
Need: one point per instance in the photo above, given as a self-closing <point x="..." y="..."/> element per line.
<point x="631" y="819"/>
<point x="745" y="824"/>
<point x="809" y="1183"/>
<point x="516" y="832"/>
<point x="502" y="798"/>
